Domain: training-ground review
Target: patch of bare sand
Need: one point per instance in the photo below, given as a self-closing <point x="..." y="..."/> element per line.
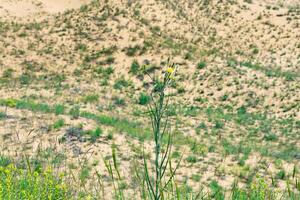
<point x="36" y="9"/>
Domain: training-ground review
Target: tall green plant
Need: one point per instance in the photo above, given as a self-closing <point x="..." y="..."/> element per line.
<point x="157" y="184"/>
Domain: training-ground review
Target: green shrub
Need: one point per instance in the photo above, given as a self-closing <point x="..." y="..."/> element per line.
<point x="75" y="112"/>
<point x="121" y="83"/>
<point x="25" y="79"/>
<point x="191" y="159"/>
<point x="281" y="175"/>
<point x="9" y="103"/>
<point x="119" y="101"/>
<point x="92" y="98"/>
<point x="201" y="65"/>
<point x="81" y="47"/>
<point x="95" y="134"/>
<point x="59" y="109"/>
<point x="36" y="107"/>
<point x="58" y="124"/>
<point x="188" y="56"/>
<point x="271" y="137"/>
<point x="8" y="73"/>
<point x="132" y="51"/>
<point x="217" y="190"/>
<point x="4" y="161"/>
<point x="255" y="51"/>
<point x="135" y="67"/>
<point x="219" y="124"/>
<point x="2" y="115"/>
<point x="144" y="99"/>
<point x="105" y="72"/>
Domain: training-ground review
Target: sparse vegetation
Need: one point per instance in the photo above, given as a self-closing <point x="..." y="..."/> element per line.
<point x="90" y="110"/>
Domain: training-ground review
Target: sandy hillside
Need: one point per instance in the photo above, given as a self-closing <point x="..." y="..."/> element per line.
<point x="70" y="67"/>
<point x="35" y="9"/>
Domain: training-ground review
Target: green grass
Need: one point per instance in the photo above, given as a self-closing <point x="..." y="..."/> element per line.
<point x="128" y="127"/>
<point x="28" y="180"/>
<point x="144" y="99"/>
<point x="2" y="115"/>
<point x="59" y="109"/>
<point x="94" y="134"/>
<point x="254" y="123"/>
<point x="92" y="98"/>
<point x="58" y="124"/>
<point x="135" y="67"/>
<point x="201" y="65"/>
<point x="275" y="72"/>
<point x="122" y="83"/>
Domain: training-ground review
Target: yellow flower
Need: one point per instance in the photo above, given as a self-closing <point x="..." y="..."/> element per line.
<point x="170" y="70"/>
<point x="35" y="174"/>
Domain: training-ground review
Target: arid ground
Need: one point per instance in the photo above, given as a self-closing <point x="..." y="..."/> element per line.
<point x="71" y="87"/>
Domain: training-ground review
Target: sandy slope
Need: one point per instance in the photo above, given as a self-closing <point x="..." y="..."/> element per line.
<point x="63" y="60"/>
<point x="31" y="9"/>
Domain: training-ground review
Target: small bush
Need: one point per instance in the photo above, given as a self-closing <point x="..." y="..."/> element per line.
<point x="144" y="99"/>
<point x="95" y="134"/>
<point x="135" y="67"/>
<point x="188" y="56"/>
<point x="75" y="112"/>
<point x="191" y="159"/>
<point x="281" y="175"/>
<point x="92" y="98"/>
<point x="201" y="65"/>
<point x="271" y="137"/>
<point x="59" y="109"/>
<point x="25" y="79"/>
<point x="121" y="83"/>
<point x="4" y="161"/>
<point x="2" y="115"/>
<point x="58" y="124"/>
<point x="8" y="73"/>
<point x="119" y="101"/>
<point x="132" y="51"/>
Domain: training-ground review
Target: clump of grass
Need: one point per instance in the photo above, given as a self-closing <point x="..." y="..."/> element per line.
<point x="4" y="161"/>
<point x="92" y="98"/>
<point x="275" y="72"/>
<point x="75" y="112"/>
<point x="58" y="124"/>
<point x="121" y="83"/>
<point x="30" y="105"/>
<point x="119" y="101"/>
<point x="135" y="67"/>
<point x="95" y="134"/>
<point x="25" y="79"/>
<point x="81" y="47"/>
<point x="144" y="99"/>
<point x="59" y="109"/>
<point x="132" y="50"/>
<point x="8" y="73"/>
<point x="201" y="65"/>
<point x="191" y="159"/>
<point x="105" y="72"/>
<point x="2" y="115"/>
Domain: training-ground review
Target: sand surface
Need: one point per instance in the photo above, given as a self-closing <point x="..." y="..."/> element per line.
<point x="35" y="9"/>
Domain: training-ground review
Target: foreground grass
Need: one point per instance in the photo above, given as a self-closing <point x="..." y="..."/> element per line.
<point x="19" y="184"/>
<point x="19" y="181"/>
<point x="258" y="189"/>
